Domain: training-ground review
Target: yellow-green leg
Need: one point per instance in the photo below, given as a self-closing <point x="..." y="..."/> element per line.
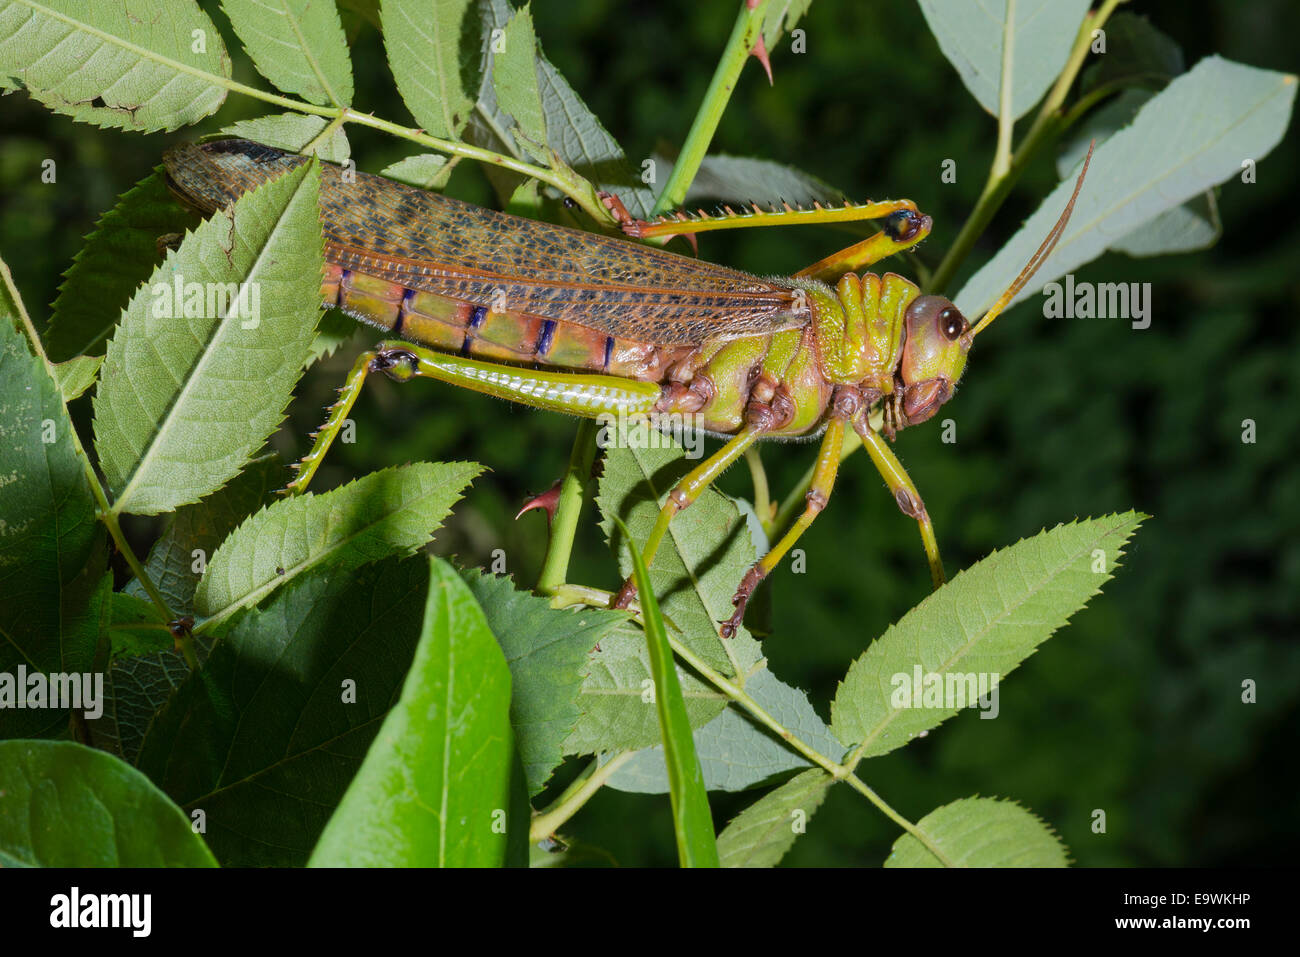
<point x="687" y="491"/>
<point x="819" y="492"/>
<point x="903" y="228"/>
<point x="905" y="493"/>
<point x="588" y="396"/>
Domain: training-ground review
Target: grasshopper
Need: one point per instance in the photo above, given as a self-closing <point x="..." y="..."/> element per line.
<point x="593" y="325"/>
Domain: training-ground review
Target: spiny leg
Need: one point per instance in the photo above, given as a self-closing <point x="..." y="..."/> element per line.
<point x="905" y="493"/>
<point x="819" y="492"/>
<point x="677" y="223"/>
<point x="327" y="433"/>
<point x="687" y="491"/>
<point x="588" y="396"/>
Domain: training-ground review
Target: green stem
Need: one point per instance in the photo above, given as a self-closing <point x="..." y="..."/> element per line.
<point x="1006" y="121"/>
<point x="856" y="783"/>
<point x="585" y="786"/>
<point x="324" y="135"/>
<point x="746" y="32"/>
<point x="1046" y="125"/>
<point x="106" y="513"/>
<point x="576" y="187"/>
<point x="567" y="181"/>
<point x="547" y="822"/>
<point x="762" y="494"/>
<point x="569" y="509"/>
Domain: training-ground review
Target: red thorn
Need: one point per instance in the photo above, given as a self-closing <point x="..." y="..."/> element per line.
<point x="759" y="52"/>
<point x="548" y="500"/>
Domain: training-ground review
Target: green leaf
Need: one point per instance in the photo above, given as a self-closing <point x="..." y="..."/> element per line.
<point x="781" y="17"/>
<point x="981" y="832"/>
<point x="53" y="587"/>
<point x="974" y="37"/>
<point x="76" y="375"/>
<point x="1187" y="228"/>
<point x="334" y="329"/>
<point x="117" y="256"/>
<point x="434" y="789"/>
<point x="735" y="751"/>
<point x="136" y="628"/>
<point x="1193" y="225"/>
<point x="292" y="132"/>
<point x="126" y="65"/>
<point x="425" y="170"/>
<point x="266" y="737"/>
<point x="296" y="44"/>
<point x="692" y="819"/>
<point x="135" y="689"/>
<point x="546" y="650"/>
<point x="572" y="130"/>
<point x="514" y="77"/>
<point x="984" y="622"/>
<point x="747" y="179"/>
<point x="66" y="805"/>
<point x="702" y="558"/>
<point x="193" y="532"/>
<point x="423" y="41"/>
<point x="1136" y="53"/>
<point x="618" y="711"/>
<point x="1191" y="136"/>
<point x="390" y="512"/>
<point x="186" y="400"/>
<point x="764" y="832"/>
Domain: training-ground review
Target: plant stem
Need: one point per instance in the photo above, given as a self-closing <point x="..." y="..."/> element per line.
<point x="762" y="495"/>
<point x="566" y="180"/>
<point x="326" y="132"/>
<point x="585" y="786"/>
<point x="106" y="513"/>
<point x="856" y="783"/>
<point x="545" y="823"/>
<point x="569" y="509"/>
<point x="1047" y="124"/>
<point x="746" y="32"/>
<point x="1006" y="122"/>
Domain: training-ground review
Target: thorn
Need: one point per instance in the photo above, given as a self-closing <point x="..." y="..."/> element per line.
<point x="548" y="500"/>
<point x="759" y="52"/>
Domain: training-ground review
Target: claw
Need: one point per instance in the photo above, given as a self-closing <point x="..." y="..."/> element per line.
<point x="548" y="500"/>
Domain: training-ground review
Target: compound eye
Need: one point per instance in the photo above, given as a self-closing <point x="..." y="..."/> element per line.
<point x="951" y="323"/>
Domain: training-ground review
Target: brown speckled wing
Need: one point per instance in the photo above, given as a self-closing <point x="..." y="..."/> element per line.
<point x="440" y="245"/>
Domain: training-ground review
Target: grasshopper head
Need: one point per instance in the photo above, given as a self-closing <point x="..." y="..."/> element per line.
<point x="939" y="336"/>
<point x="934" y="356"/>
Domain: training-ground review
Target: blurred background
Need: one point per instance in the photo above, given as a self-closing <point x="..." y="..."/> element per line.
<point x="1134" y="709"/>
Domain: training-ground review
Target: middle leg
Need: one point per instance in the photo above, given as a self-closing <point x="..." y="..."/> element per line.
<point x="819" y="493"/>
<point x="687" y="491"/>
